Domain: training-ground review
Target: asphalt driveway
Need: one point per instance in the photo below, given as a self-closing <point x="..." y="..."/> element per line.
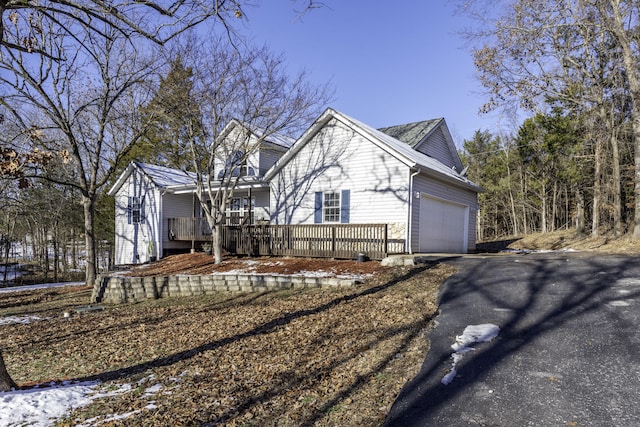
<point x="565" y="349"/>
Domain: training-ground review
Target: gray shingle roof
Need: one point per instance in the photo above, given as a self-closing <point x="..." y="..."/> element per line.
<point x="165" y="177"/>
<point x="411" y="133"/>
<point x="404" y="150"/>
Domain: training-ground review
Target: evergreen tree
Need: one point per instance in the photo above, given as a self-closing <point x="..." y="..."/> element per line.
<point x="176" y="120"/>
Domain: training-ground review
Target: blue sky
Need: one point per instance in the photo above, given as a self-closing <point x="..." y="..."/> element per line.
<point x="390" y="62"/>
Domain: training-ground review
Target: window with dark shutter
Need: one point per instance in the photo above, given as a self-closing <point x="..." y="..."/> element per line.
<point x="331" y="207"/>
<point x="135" y="210"/>
<point x="129" y="209"/>
<point x="344" y="206"/>
<point x="317" y="213"/>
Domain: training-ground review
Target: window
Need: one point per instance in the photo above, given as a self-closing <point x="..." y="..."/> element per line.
<point x="331" y="207"/>
<point x="135" y="210"/>
<point x="238" y="209"/>
<point x="236" y="165"/>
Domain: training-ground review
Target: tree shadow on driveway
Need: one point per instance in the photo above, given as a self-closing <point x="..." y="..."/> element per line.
<point x="567" y="352"/>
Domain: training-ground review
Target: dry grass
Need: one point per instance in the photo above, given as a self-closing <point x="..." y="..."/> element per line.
<point x="288" y="358"/>
<point x="313" y="357"/>
<point x="568" y="239"/>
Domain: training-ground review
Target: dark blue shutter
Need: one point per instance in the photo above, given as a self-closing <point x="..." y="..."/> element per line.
<point x="317" y="213"/>
<point x="142" y="211"/>
<point x="129" y="209"/>
<point x="344" y="207"/>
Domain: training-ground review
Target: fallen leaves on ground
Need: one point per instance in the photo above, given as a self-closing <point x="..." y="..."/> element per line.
<point x="200" y="263"/>
<point x="288" y="358"/>
<point x="566" y="240"/>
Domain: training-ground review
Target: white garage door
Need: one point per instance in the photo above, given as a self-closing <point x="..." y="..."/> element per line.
<point x="443" y="226"/>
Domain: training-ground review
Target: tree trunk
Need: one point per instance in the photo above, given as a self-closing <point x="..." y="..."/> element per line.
<point x="55" y="248"/>
<point x="616" y="179"/>
<point x="543" y="214"/>
<point x="554" y="206"/>
<point x="512" y="203"/>
<point x="90" y="239"/>
<point x="217" y="243"/>
<point x="630" y="63"/>
<point x="580" y="222"/>
<point x="6" y="383"/>
<point x="523" y="184"/>
<point x="597" y="189"/>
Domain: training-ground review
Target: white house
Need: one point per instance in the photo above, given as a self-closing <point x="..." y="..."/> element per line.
<point x="339" y="171"/>
<point x="154" y="204"/>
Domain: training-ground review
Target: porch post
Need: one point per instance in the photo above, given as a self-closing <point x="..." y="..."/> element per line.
<point x="193" y="232"/>
<point x="250" y="222"/>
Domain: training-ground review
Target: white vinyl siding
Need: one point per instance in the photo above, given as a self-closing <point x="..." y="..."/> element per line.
<point x="267" y="157"/>
<point x="428" y="186"/>
<point x="337" y="159"/>
<point x="137" y="241"/>
<point x="436" y="146"/>
<point x="259" y="159"/>
<point x="124" y="246"/>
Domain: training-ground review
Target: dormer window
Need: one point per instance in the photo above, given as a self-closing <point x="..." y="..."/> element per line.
<point x="236" y="165"/>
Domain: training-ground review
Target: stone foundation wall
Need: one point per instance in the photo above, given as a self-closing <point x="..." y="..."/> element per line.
<point x="121" y="289"/>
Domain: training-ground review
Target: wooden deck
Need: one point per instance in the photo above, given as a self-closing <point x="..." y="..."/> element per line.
<point x="314" y="240"/>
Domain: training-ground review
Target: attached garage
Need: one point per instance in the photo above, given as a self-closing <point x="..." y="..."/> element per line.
<point x="443" y="225"/>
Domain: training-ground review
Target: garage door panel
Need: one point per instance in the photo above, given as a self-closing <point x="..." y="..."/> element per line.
<point x="442" y="226"/>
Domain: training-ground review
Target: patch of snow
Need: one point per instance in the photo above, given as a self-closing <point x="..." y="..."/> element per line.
<point x="619" y="304"/>
<point x="109" y="418"/>
<point x="42" y="406"/>
<point x="472" y="334"/>
<point x="150" y="391"/>
<point x="475" y="333"/>
<point x="23" y="320"/>
<point x="316" y="273"/>
<point x="40" y="286"/>
<point x="628" y="281"/>
<point x="538" y="251"/>
<point x="179" y="377"/>
<point x="516" y="251"/>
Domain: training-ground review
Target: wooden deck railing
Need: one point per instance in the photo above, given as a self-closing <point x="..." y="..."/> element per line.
<point x="314" y="240"/>
<point x="189" y="229"/>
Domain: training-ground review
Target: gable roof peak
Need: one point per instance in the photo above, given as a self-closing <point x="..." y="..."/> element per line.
<point x="276" y="138"/>
<point x="412" y="133"/>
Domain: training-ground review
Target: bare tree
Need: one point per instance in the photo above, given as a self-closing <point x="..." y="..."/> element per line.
<point x="6" y="382"/>
<point x="620" y="18"/>
<point x="533" y="52"/>
<point x="27" y="26"/>
<point x="84" y="107"/>
<point x="240" y="98"/>
<point x="254" y="88"/>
